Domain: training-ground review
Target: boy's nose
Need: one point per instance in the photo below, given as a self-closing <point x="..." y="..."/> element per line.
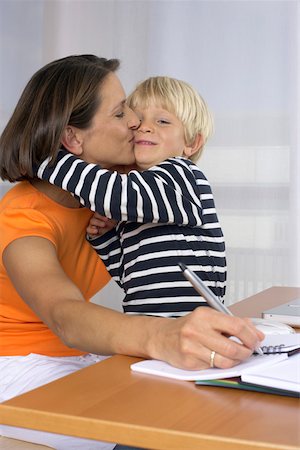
<point x="145" y="128"/>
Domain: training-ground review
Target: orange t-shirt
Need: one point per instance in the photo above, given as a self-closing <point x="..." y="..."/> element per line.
<point x="25" y="211"/>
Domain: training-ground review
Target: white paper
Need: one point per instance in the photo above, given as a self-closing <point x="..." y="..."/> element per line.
<point x="160" y="368"/>
<point x="283" y="375"/>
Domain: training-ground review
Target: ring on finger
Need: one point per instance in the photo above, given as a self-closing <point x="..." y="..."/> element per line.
<point x="212" y="359"/>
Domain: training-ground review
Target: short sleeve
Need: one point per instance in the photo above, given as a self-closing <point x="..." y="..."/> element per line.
<point x="16" y="223"/>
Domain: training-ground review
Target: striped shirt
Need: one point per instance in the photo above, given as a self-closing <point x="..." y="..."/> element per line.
<point x="166" y="215"/>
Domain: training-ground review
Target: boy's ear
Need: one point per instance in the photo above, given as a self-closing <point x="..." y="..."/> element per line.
<point x="72" y="140"/>
<point x="189" y="150"/>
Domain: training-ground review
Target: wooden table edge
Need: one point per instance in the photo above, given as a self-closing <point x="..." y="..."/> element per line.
<point x="137" y="435"/>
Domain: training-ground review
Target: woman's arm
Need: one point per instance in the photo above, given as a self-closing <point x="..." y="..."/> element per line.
<point x="185" y="342"/>
<point x="155" y="195"/>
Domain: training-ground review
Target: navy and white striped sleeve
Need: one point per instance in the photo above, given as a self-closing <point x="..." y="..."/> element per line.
<point x="155" y="195"/>
<point x="108" y="247"/>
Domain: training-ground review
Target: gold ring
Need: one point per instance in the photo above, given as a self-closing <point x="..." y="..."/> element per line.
<point x="212" y="358"/>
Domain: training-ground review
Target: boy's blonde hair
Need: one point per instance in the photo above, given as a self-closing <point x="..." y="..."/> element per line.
<point x="179" y="98"/>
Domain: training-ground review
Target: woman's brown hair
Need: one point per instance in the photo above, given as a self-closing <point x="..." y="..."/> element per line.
<point x="64" y="92"/>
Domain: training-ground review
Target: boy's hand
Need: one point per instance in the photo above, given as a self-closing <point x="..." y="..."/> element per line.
<point x="99" y="225"/>
<point x="124" y="169"/>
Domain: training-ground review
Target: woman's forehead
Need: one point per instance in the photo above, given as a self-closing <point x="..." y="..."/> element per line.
<point x="111" y="91"/>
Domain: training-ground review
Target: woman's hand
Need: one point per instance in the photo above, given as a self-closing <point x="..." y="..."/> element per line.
<point x="187" y="342"/>
<point x="99" y="225"/>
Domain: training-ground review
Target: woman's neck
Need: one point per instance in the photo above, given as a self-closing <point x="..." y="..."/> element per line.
<point x="56" y="194"/>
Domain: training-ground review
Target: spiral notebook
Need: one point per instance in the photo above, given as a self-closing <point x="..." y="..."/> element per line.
<point x="277" y="350"/>
<point x="283" y="375"/>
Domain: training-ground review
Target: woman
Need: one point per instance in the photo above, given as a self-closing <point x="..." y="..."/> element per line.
<point x="47" y="324"/>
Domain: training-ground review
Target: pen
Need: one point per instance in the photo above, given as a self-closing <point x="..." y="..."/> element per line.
<point x="209" y="296"/>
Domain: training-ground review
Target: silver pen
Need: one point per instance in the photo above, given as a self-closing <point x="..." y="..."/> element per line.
<point x="206" y="293"/>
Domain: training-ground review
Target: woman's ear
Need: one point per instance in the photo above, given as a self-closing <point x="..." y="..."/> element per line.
<point x="72" y="140"/>
<point x="198" y="142"/>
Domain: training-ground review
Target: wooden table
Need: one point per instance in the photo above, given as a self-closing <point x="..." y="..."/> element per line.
<point x="107" y="401"/>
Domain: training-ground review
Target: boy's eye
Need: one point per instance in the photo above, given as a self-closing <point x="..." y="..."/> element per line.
<point x="163" y="121"/>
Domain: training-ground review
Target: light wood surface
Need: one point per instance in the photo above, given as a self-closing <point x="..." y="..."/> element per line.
<point x="275" y="296"/>
<point x="109" y="402"/>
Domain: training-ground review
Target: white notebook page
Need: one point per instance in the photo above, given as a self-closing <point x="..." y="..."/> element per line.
<point x="283" y="375"/>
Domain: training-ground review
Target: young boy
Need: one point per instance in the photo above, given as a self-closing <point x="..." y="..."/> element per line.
<point x="174" y="218"/>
